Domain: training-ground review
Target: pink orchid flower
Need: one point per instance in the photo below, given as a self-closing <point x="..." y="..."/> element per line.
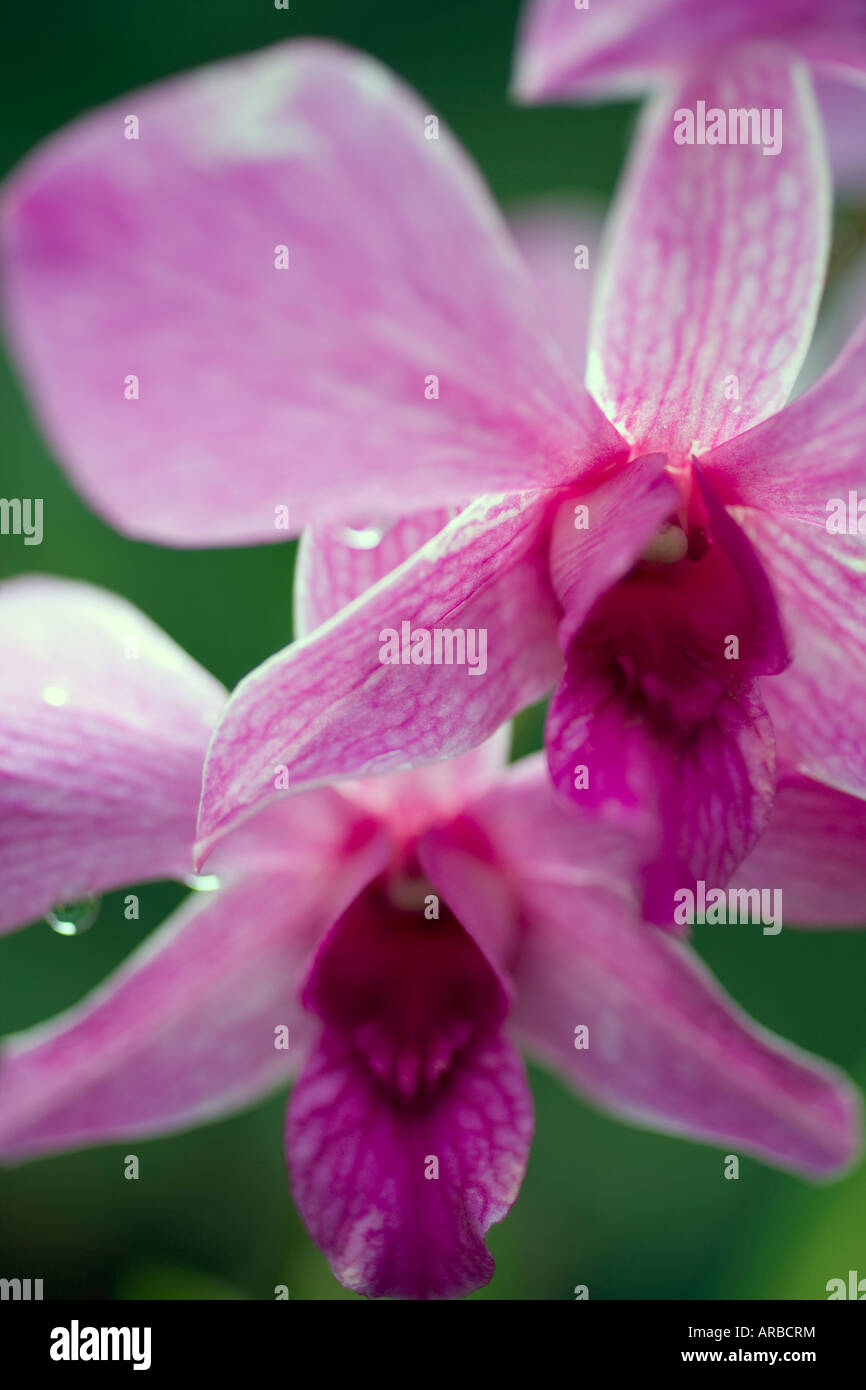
<point x="574" y="52"/>
<point x="385" y="942"/>
<point x="404" y="361"/>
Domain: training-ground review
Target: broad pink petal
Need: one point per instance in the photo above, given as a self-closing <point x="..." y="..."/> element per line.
<point x="104" y="725"/>
<point x="811" y="452"/>
<point x="812" y="851"/>
<point x="259" y="387"/>
<point x="186" y="1029"/>
<point x="337" y="564"/>
<point x="713" y="271"/>
<point x="818" y="706"/>
<point x="358" y="1164"/>
<point x="328" y="708"/>
<point x="553" y="236"/>
<point x="667" y="1048"/>
<point x="618" y="47"/>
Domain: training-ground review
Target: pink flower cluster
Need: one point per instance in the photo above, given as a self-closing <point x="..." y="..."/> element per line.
<point x="280" y="305"/>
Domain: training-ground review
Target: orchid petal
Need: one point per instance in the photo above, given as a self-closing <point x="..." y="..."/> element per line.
<point x="620" y="47"/>
<point x="814" y="450"/>
<point x="104" y="725"/>
<point x="666" y="1047"/>
<point x="337" y="563"/>
<point x="658" y="724"/>
<point x="597" y="540"/>
<point x="693" y="806"/>
<point x="812" y="852"/>
<point x="362" y="1172"/>
<point x="613" y="49"/>
<point x="714" y="266"/>
<point x="462" y="866"/>
<point x="537" y="836"/>
<point x="189" y="1028"/>
<point x="409" y="802"/>
<point x="329" y="708"/>
<point x="817" y="704"/>
<point x="278" y="267"/>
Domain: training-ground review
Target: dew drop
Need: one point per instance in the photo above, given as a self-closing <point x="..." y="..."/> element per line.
<point x="202" y="883"/>
<point x="71" y="919"/>
<point x="362" y="537"/>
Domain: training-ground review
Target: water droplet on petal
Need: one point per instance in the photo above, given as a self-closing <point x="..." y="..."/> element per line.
<point x="362" y="537"/>
<point x="55" y="695"/>
<point x="202" y="883"/>
<point x="71" y="919"/>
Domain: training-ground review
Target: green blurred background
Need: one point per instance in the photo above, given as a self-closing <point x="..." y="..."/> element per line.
<point x="630" y="1214"/>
